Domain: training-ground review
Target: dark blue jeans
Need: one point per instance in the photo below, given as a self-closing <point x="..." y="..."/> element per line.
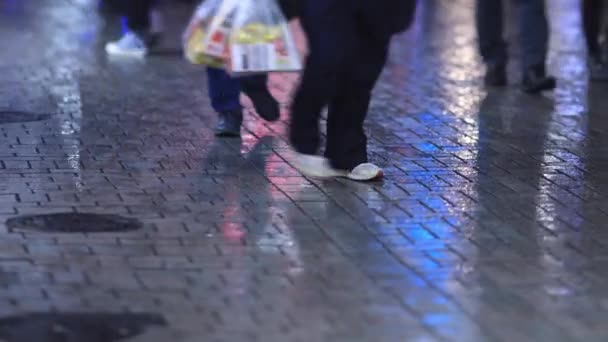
<point x="225" y="91"/>
<point x="532" y="26"/>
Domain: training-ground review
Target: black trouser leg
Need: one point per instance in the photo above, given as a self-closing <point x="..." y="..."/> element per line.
<point x="346" y="139"/>
<point x="533" y="32"/>
<point x="138" y="14"/>
<point x="329" y="25"/>
<point x="592" y="22"/>
<point x="489" y="23"/>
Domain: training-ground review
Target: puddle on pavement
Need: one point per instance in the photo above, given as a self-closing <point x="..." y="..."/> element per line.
<point x="73" y="223"/>
<point x="15" y="116"/>
<point x="77" y="327"/>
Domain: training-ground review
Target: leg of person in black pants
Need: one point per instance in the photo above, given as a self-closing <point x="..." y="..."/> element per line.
<point x="534" y="37"/>
<point x="348" y="49"/>
<point x="593" y="13"/>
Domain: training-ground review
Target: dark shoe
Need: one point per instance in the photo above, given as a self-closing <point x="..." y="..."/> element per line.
<point x="152" y="40"/>
<point x="598" y="69"/>
<point x="229" y="124"/>
<point x="535" y="80"/>
<point x="496" y="75"/>
<point x="264" y="103"/>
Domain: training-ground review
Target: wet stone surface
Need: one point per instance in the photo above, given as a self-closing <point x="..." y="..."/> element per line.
<point x="76" y="327"/>
<point x="491" y="224"/>
<point x="73" y="223"/>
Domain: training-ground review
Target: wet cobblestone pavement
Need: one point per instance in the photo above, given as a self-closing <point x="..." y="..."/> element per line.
<point x="490" y="226"/>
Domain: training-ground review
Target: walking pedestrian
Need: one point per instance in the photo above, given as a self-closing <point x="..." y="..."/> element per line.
<point x="348" y="43"/>
<point x="143" y="29"/>
<point x="534" y="39"/>
<point x="144" y="24"/>
<point x="593" y="20"/>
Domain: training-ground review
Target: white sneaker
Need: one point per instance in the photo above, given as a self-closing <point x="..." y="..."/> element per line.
<point x="129" y="45"/>
<point x="314" y="166"/>
<point x="364" y="172"/>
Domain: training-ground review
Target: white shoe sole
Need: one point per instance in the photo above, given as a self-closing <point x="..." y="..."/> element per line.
<point x="364" y="173"/>
<point x="314" y="166"/>
<point x="364" y="178"/>
<point x="318" y="167"/>
<point x="114" y="51"/>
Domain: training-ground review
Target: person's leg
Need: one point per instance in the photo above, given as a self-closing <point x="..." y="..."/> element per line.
<point x="224" y="93"/>
<point x="491" y="43"/>
<point x="256" y="88"/>
<point x="329" y="26"/>
<point x="346" y="139"/>
<point x="533" y="32"/>
<point x="592" y="23"/>
<point x="138" y="15"/>
<point x="534" y="39"/>
<point x="593" y="16"/>
<point x="489" y="24"/>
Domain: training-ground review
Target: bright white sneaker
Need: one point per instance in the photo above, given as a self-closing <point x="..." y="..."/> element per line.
<point x="314" y="166"/>
<point x="130" y="45"/>
<point x="364" y="172"/>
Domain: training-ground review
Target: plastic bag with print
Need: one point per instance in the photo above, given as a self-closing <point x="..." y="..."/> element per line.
<point x="261" y="40"/>
<point x="196" y="37"/>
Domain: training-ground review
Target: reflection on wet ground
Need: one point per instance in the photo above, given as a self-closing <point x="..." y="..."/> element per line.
<point x="489" y="226"/>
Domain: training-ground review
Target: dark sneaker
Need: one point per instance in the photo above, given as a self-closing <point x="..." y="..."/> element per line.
<point x="264" y="103"/>
<point x="229" y="124"/>
<point x="598" y="69"/>
<point x="496" y="75"/>
<point x="535" y="80"/>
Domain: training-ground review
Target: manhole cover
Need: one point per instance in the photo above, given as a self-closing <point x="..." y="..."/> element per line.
<point x="74" y="223"/>
<point x="14" y="116"/>
<point x="76" y="327"/>
<point x="8" y="278"/>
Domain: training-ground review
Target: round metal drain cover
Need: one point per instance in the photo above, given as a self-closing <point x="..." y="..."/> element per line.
<point x="15" y="116"/>
<point x="74" y="223"/>
<point x="76" y="327"/>
<point x="8" y="278"/>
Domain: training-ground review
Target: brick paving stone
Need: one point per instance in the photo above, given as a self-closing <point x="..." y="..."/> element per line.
<point x="490" y="225"/>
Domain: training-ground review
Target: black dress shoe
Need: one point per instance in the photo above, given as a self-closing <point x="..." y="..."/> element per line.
<point x="535" y="80"/>
<point x="496" y="75"/>
<point x="229" y="124"/>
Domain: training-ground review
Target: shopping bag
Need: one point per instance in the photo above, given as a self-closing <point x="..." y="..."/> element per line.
<point x="216" y="41"/>
<point x="261" y="40"/>
<point x="196" y="34"/>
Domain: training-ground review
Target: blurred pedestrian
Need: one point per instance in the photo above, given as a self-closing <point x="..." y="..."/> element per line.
<point x="144" y="28"/>
<point x="534" y="40"/>
<point x="348" y="43"/>
<point x="593" y="22"/>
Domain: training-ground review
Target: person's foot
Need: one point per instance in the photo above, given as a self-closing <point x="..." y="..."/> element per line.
<point x="264" y="103"/>
<point x="535" y="80"/>
<point x="364" y="172"/>
<point x="314" y="166"/>
<point x="229" y="124"/>
<point x="130" y="45"/>
<point x="496" y="75"/>
<point x="598" y="69"/>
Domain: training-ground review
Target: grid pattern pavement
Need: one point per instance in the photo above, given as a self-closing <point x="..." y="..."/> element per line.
<point x="490" y="225"/>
